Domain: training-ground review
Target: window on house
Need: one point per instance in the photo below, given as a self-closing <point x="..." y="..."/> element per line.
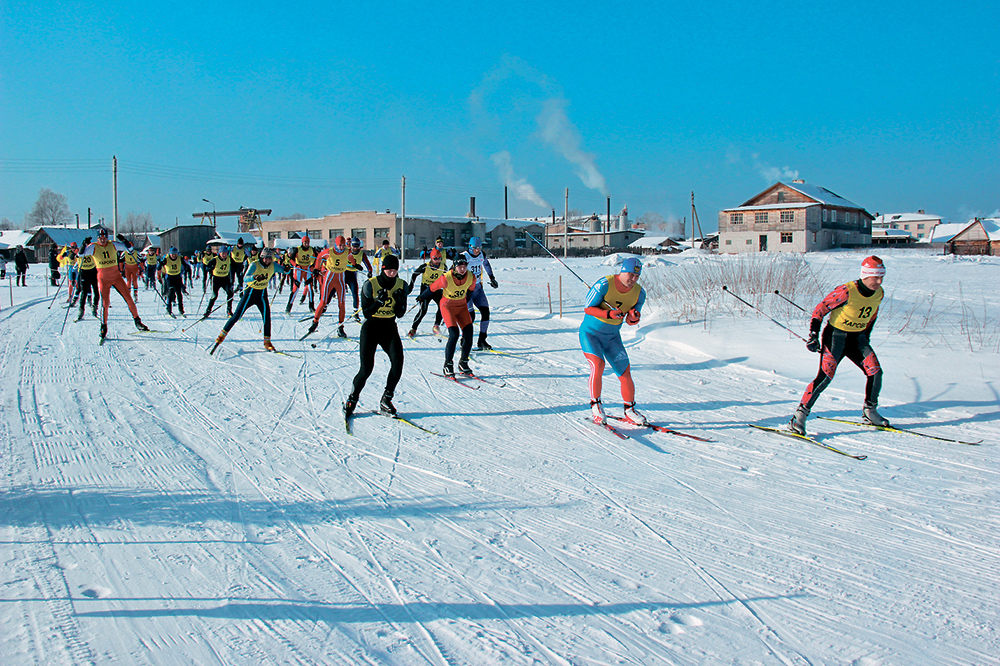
<point x="315" y="233"/>
<point x="736" y="218"/>
<point x="920" y="226"/>
<point x="336" y="232"/>
<point x="293" y="234"/>
<point x="448" y="236"/>
<point x="787" y="217"/>
<point x="826" y="214"/>
<point x="729" y="241"/>
<point x="273" y="235"/>
<point x="381" y="234"/>
<point x="749" y="241"/>
<point x="786" y="237"/>
<point x="359" y="234"/>
<point x="760" y="217"/>
<point x="781" y="197"/>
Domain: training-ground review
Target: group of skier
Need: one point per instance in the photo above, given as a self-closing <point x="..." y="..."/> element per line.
<point x="100" y="266"/>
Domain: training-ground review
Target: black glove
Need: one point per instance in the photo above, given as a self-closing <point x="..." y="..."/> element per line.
<point x="424" y="297"/>
<point x="812" y="344"/>
<point x="124" y="240"/>
<point x="382" y="297"/>
<point x="86" y="242"/>
<point x="493" y="282"/>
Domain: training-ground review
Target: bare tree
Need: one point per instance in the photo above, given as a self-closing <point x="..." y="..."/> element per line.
<point x="136" y="225"/>
<point x="6" y="224"/>
<point x="51" y="209"/>
<point x="293" y="216"/>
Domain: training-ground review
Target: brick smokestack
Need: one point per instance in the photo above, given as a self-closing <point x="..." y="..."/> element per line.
<point x="472" y="206"/>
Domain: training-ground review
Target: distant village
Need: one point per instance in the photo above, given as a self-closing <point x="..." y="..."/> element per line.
<point x="792" y="216"/>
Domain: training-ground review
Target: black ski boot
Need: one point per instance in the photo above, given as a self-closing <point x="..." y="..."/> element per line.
<point x="104" y="331"/>
<point x="139" y="325"/>
<point x="386" y="406"/>
<point x="481" y="344"/>
<point x="449" y="369"/>
<point x="340" y="332"/>
<point x="463" y="367"/>
<point x="350" y="406"/>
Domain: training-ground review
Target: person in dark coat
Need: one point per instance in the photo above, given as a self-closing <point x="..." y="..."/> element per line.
<point x="21" y="265"/>
<point x="54" y="266"/>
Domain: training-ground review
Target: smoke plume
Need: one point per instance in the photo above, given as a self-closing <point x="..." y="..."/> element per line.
<point x="522" y="188"/>
<point x="558" y="131"/>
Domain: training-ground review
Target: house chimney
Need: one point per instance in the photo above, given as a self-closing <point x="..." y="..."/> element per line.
<point x="799" y="181"/>
<point x="921" y="212"/>
<point x="472" y="207"/>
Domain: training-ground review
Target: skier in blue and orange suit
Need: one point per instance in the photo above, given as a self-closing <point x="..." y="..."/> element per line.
<point x="853" y="308"/>
<point x="611" y="300"/>
<point x="456" y="289"/>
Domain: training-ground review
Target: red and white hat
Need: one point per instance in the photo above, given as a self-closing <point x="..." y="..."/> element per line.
<point x="872" y="267"/>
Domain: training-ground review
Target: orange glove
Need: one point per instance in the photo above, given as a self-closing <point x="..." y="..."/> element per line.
<point x="615" y="314"/>
<point x="632" y="318"/>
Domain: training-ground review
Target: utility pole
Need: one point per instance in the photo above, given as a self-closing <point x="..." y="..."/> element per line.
<point x="566" y="227"/>
<point x="505" y="203"/>
<point x="114" y="162"/>
<point x="402" y="225"/>
<point x="88" y="217"/>
<point x="77" y="220"/>
<point x="694" y="221"/>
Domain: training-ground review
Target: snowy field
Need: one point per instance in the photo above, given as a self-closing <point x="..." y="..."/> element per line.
<point x="161" y="506"/>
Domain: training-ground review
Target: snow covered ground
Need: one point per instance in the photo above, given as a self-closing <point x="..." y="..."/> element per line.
<point x="160" y="506"/>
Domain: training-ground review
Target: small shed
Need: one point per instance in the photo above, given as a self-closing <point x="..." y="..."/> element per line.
<point x="45" y="238"/>
<point x="980" y="236"/>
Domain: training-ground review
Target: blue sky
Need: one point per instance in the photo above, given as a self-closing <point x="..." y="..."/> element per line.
<point x="318" y="108"/>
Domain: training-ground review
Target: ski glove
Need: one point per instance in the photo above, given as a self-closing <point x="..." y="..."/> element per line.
<point x="632" y="318"/>
<point x="812" y="344"/>
<point x="615" y="314"/>
<point x="493" y="282"/>
<point x="382" y="297"/>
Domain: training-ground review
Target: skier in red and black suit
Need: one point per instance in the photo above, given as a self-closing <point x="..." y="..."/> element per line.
<point x="428" y="273"/>
<point x="853" y="308"/>
<point x="456" y="290"/>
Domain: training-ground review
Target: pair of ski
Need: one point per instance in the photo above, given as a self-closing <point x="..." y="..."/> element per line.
<point x="457" y="378"/>
<point x="652" y="426"/>
<point x="788" y="433"/>
<point x="394" y="417"/>
<point x="215" y="346"/>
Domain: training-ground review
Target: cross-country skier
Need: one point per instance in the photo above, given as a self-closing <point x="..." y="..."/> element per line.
<point x="239" y="258"/>
<point x="428" y="272"/>
<point x="383" y="300"/>
<point x="105" y="257"/>
<point x="478" y="263"/>
<point x="612" y="299"/>
<point x="330" y="266"/>
<point x="87" y="271"/>
<point x="302" y="258"/>
<point x="385" y="251"/>
<point x="172" y="266"/>
<point x="456" y="288"/>
<point x="130" y="269"/>
<point x="853" y="308"/>
<point x="257" y="277"/>
<point x="152" y="261"/>
<point x="351" y="276"/>
<point x="221" y="270"/>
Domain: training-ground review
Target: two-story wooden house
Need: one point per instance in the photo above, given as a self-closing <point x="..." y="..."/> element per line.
<point x="794" y="217"/>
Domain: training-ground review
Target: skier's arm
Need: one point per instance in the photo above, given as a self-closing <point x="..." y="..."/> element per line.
<point x="369" y="306"/>
<point x="417" y="273"/>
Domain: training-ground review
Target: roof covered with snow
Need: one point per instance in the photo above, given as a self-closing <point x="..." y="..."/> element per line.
<point x="491" y="223"/>
<point x="943" y="233"/>
<point x="821" y="194"/>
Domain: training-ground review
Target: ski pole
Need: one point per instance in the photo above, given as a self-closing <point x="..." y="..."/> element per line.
<point x="790" y="301"/>
<point x="567" y="267"/>
<point x="726" y="289"/>
<point x="58" y="289"/>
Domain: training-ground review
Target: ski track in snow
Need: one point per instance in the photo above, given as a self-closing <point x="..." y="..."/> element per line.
<point x="161" y="505"/>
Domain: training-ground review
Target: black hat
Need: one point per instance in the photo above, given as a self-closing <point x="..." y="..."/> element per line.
<point x="462" y="260"/>
<point x="390" y="262"/>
